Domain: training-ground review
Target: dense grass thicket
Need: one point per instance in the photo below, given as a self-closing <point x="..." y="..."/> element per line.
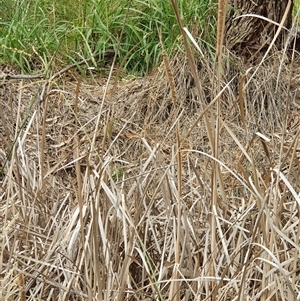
<point x="182" y="185"/>
<point x="38" y="35"/>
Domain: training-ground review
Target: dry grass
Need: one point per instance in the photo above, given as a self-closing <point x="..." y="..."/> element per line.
<point x="106" y="190"/>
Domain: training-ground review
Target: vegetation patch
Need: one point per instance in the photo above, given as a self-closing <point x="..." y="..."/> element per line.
<point x="179" y="185"/>
<point x="38" y="35"/>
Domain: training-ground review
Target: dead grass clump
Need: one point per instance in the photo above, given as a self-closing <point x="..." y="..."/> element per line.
<point x="106" y="189"/>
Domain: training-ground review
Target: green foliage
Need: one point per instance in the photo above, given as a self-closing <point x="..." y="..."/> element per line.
<point x="36" y="34"/>
<point x="296" y="11"/>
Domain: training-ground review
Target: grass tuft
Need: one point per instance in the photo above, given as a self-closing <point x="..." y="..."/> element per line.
<point x="45" y="34"/>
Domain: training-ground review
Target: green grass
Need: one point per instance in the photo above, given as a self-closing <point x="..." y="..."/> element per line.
<point x="38" y="35"/>
<point x="296" y="11"/>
